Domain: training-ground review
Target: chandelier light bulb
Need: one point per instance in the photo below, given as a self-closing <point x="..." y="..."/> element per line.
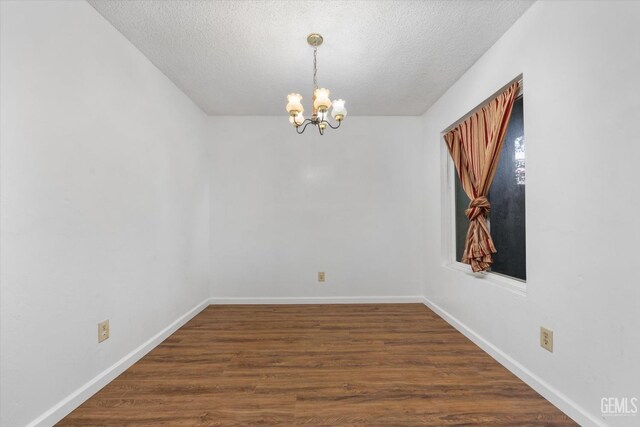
<point x="322" y="101"/>
<point x="338" y="112"/>
<point x="294" y="105"/>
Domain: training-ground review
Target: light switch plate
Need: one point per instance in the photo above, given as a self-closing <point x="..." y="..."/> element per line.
<point x="321" y="276"/>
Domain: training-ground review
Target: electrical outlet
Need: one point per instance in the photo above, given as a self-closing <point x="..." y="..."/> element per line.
<point x="546" y="339"/>
<point x="321" y="276"/>
<point x="103" y="331"/>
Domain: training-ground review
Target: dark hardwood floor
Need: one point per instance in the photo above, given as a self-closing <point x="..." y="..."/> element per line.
<point x="317" y="365"/>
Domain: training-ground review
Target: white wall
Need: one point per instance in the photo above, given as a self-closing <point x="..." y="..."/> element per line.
<point x="105" y="176"/>
<point x="104" y="202"/>
<point x="285" y="206"/>
<point x="582" y="109"/>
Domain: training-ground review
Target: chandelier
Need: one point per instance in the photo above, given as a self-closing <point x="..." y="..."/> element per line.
<point x="321" y="101"/>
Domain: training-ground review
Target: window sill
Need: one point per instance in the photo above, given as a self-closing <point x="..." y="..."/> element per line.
<point x="516" y="286"/>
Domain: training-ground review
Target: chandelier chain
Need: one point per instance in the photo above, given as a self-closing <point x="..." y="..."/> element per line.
<point x="315" y="68"/>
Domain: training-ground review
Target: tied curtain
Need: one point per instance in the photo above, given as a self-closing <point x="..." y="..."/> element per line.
<point x="475" y="146"/>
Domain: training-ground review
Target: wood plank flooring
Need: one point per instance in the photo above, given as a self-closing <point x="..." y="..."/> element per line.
<point x="317" y="365"/>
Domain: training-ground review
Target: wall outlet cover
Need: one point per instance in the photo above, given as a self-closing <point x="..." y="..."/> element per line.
<point x="546" y="339"/>
<point x="103" y="331"/>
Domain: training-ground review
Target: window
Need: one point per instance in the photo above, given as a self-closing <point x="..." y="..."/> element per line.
<point x="507" y="197"/>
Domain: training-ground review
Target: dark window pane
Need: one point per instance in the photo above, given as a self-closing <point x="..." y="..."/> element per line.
<point x="507" y="198"/>
<point x="507" y="217"/>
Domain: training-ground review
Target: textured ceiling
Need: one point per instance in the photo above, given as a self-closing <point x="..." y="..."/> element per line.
<point x="244" y="57"/>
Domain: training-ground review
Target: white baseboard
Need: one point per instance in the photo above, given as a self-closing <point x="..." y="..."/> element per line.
<point x="560" y="400"/>
<point x="75" y="399"/>
<point x="318" y="300"/>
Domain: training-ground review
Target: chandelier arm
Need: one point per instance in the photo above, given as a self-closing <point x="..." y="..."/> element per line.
<point x="306" y="123"/>
<point x="332" y="126"/>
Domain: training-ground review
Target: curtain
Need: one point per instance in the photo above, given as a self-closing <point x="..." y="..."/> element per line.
<point x="475" y="146"/>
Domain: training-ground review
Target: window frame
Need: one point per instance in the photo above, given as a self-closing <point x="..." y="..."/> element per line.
<point x="515" y="285"/>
